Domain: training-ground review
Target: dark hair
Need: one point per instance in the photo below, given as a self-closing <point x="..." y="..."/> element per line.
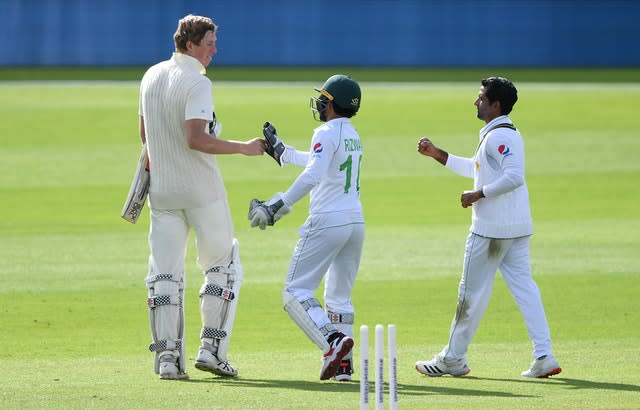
<point x="343" y="112"/>
<point x="502" y="90"/>
<point x="192" y="28"/>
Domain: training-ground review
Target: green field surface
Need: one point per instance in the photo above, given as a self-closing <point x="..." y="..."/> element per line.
<point x="73" y="318"/>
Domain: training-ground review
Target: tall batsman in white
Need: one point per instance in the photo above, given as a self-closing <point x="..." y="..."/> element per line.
<point x="178" y="124"/>
<point x="501" y="226"/>
<point x="331" y="239"/>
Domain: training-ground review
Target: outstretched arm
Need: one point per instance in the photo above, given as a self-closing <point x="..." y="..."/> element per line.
<point x="278" y="150"/>
<point x="295" y="157"/>
<point x="459" y="165"/>
<point x="200" y="140"/>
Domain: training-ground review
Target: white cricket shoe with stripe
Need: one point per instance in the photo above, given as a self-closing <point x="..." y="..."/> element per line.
<point x="437" y="367"/>
<point x="209" y="362"/>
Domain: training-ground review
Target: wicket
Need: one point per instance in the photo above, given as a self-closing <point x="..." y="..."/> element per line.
<point x="379" y="367"/>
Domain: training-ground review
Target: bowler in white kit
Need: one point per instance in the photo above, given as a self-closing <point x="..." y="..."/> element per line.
<point x="501" y="227"/>
<point x="332" y="237"/>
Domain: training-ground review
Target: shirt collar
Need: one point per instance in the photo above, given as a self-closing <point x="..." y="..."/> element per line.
<point x="334" y="122"/>
<point x="191" y="62"/>
<point x="339" y="119"/>
<point x="503" y="119"/>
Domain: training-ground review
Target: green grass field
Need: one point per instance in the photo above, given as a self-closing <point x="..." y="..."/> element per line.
<point x="73" y="316"/>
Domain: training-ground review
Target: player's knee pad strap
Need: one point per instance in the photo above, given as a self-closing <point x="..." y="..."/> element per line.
<point x="215" y="290"/>
<point x="342" y="321"/>
<point x="164" y="290"/>
<point x="340" y="318"/>
<point x="213" y="333"/>
<point x="162" y="345"/>
<point x="160" y="300"/>
<point x="310" y="303"/>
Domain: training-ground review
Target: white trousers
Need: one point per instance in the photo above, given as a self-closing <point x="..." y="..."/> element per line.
<point x="168" y="235"/>
<point x="169" y="232"/>
<point x="482" y="258"/>
<point x="334" y="251"/>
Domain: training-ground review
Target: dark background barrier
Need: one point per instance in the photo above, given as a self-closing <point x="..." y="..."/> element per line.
<point x="463" y="33"/>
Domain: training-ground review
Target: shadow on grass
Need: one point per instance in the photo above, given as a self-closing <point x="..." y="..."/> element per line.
<point x="574" y="384"/>
<point x="417" y="390"/>
<point x="403" y="389"/>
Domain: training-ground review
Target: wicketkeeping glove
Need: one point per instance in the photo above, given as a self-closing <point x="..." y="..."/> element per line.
<point x="263" y="213"/>
<point x="274" y="147"/>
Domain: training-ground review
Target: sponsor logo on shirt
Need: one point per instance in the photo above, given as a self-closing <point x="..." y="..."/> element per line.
<point x="317" y="148"/>
<point x="504" y="150"/>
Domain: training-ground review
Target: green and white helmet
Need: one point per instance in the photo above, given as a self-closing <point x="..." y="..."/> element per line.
<point x="343" y="91"/>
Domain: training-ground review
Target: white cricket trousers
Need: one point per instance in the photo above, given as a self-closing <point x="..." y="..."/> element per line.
<point x="334" y="251"/>
<point x="168" y="235"/>
<point x="169" y="232"/>
<point x="482" y="258"/>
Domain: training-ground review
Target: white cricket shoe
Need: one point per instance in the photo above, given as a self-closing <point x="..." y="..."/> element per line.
<point x="438" y="366"/>
<point x="543" y="367"/>
<point x="169" y="369"/>
<point x="339" y="347"/>
<point x="208" y="362"/>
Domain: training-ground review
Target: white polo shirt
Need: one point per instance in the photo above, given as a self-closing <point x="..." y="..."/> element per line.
<point x="172" y="92"/>
<point x="498" y="168"/>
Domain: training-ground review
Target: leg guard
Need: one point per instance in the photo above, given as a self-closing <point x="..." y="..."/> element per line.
<point x="298" y="312"/>
<point x="166" y="317"/>
<point x="344" y="323"/>
<point x="218" y="303"/>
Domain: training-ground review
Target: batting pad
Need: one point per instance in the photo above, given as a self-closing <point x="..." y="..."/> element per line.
<point x="298" y="313"/>
<point x="219" y="301"/>
<point x="166" y="316"/>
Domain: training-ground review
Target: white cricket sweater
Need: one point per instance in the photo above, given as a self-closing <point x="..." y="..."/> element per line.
<point x="172" y="92"/>
<point x="498" y="168"/>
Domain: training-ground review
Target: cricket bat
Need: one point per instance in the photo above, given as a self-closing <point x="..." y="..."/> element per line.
<point x="139" y="189"/>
